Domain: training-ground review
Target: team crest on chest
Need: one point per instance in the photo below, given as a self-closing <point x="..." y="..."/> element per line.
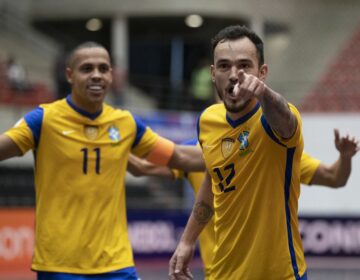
<point x="114" y="133"/>
<point x="243" y="139"/>
<point x="227" y="145"/>
<point x="244" y="143"/>
<point x="91" y="132"/>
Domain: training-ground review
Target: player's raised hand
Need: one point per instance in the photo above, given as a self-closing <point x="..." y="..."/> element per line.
<point x="178" y="265"/>
<point x="248" y="86"/>
<point x="347" y="146"/>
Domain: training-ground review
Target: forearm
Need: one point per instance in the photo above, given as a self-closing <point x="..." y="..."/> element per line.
<point x="335" y="175"/>
<point x="141" y="167"/>
<point x="340" y="170"/>
<point x="278" y="113"/>
<point x="187" y="158"/>
<point x="8" y="148"/>
<point x="202" y="212"/>
<point x="200" y="216"/>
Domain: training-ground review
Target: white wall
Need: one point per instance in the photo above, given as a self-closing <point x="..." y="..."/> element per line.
<point x="319" y="142"/>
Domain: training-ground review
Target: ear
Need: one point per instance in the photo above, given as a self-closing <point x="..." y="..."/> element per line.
<point x="212" y="70"/>
<point x="111" y="75"/>
<point x="68" y="73"/>
<point x="263" y="72"/>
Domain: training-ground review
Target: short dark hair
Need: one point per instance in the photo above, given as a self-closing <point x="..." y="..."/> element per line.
<point x="85" y="45"/>
<point x="234" y="32"/>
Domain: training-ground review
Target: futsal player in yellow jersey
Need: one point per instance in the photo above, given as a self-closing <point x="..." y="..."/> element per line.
<point x="252" y="145"/>
<point x="81" y="148"/>
<point x="312" y="171"/>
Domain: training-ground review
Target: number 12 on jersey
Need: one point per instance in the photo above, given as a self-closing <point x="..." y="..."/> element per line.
<point x="230" y="171"/>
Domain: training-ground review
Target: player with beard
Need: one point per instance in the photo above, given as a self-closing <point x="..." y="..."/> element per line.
<point x="252" y="145"/>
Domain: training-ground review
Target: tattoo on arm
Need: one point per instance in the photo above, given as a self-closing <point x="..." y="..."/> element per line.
<point x="278" y="114"/>
<point x="202" y="212"/>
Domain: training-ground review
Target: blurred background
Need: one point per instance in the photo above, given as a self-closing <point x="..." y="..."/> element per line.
<point x="161" y="55"/>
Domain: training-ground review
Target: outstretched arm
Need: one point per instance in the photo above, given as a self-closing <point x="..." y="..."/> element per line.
<point x="274" y="106"/>
<point x="337" y="174"/>
<point x="183" y="157"/>
<point x="141" y="167"/>
<point x="201" y="214"/>
<point x="187" y="158"/>
<point x="278" y="113"/>
<point x="8" y="148"/>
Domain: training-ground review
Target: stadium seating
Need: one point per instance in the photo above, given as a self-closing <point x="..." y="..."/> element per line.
<point x="339" y="89"/>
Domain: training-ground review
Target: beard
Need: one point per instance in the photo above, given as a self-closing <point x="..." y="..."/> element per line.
<point x="237" y="107"/>
<point x="231" y="106"/>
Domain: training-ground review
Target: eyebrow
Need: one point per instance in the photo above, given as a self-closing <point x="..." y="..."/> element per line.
<point x="242" y="60"/>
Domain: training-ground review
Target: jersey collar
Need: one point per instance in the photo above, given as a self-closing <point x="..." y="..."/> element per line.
<point x="91" y="116"/>
<point x="235" y="123"/>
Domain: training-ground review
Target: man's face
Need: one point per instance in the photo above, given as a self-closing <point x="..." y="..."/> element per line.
<point x="90" y="76"/>
<point x="229" y="58"/>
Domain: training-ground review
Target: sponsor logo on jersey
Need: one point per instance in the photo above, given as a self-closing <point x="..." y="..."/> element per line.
<point x="67" y="132"/>
<point x="227" y="145"/>
<point x="91" y="132"/>
<point x="114" y="133"/>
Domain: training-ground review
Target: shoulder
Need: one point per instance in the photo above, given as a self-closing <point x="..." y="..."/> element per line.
<point x="213" y="111"/>
<point x="57" y="105"/>
<point x="116" y="113"/>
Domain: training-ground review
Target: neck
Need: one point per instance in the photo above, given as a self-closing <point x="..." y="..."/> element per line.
<point x="85" y="105"/>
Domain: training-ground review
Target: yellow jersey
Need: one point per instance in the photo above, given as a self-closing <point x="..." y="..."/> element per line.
<point x="80" y="165"/>
<point x="308" y="167"/>
<point x="256" y="185"/>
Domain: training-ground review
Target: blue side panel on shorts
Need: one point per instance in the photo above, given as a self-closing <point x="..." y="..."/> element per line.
<point x="128" y="273"/>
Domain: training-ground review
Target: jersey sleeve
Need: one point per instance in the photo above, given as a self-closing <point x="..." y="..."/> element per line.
<point x="308" y="167"/>
<point x="292" y="141"/>
<point x="145" y="139"/>
<point x="26" y="132"/>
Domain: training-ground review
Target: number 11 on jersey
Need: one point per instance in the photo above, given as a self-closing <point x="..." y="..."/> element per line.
<point x="85" y="160"/>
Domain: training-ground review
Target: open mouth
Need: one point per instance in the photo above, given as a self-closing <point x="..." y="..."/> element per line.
<point x="230" y="89"/>
<point x="230" y="92"/>
<point x="95" y="88"/>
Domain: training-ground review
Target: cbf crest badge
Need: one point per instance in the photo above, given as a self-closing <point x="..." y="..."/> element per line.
<point x="244" y="140"/>
<point x="91" y="132"/>
<point x="114" y="133"/>
<point x="227" y="145"/>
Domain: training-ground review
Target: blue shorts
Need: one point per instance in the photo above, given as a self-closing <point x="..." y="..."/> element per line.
<point x="128" y="273"/>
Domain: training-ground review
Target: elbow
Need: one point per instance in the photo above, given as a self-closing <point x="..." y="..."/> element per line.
<point x="136" y="174"/>
<point x="337" y="184"/>
<point x="288" y="129"/>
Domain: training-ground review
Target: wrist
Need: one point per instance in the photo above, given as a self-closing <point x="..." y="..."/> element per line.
<point x="188" y="241"/>
<point x="345" y="156"/>
<point x="264" y="94"/>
